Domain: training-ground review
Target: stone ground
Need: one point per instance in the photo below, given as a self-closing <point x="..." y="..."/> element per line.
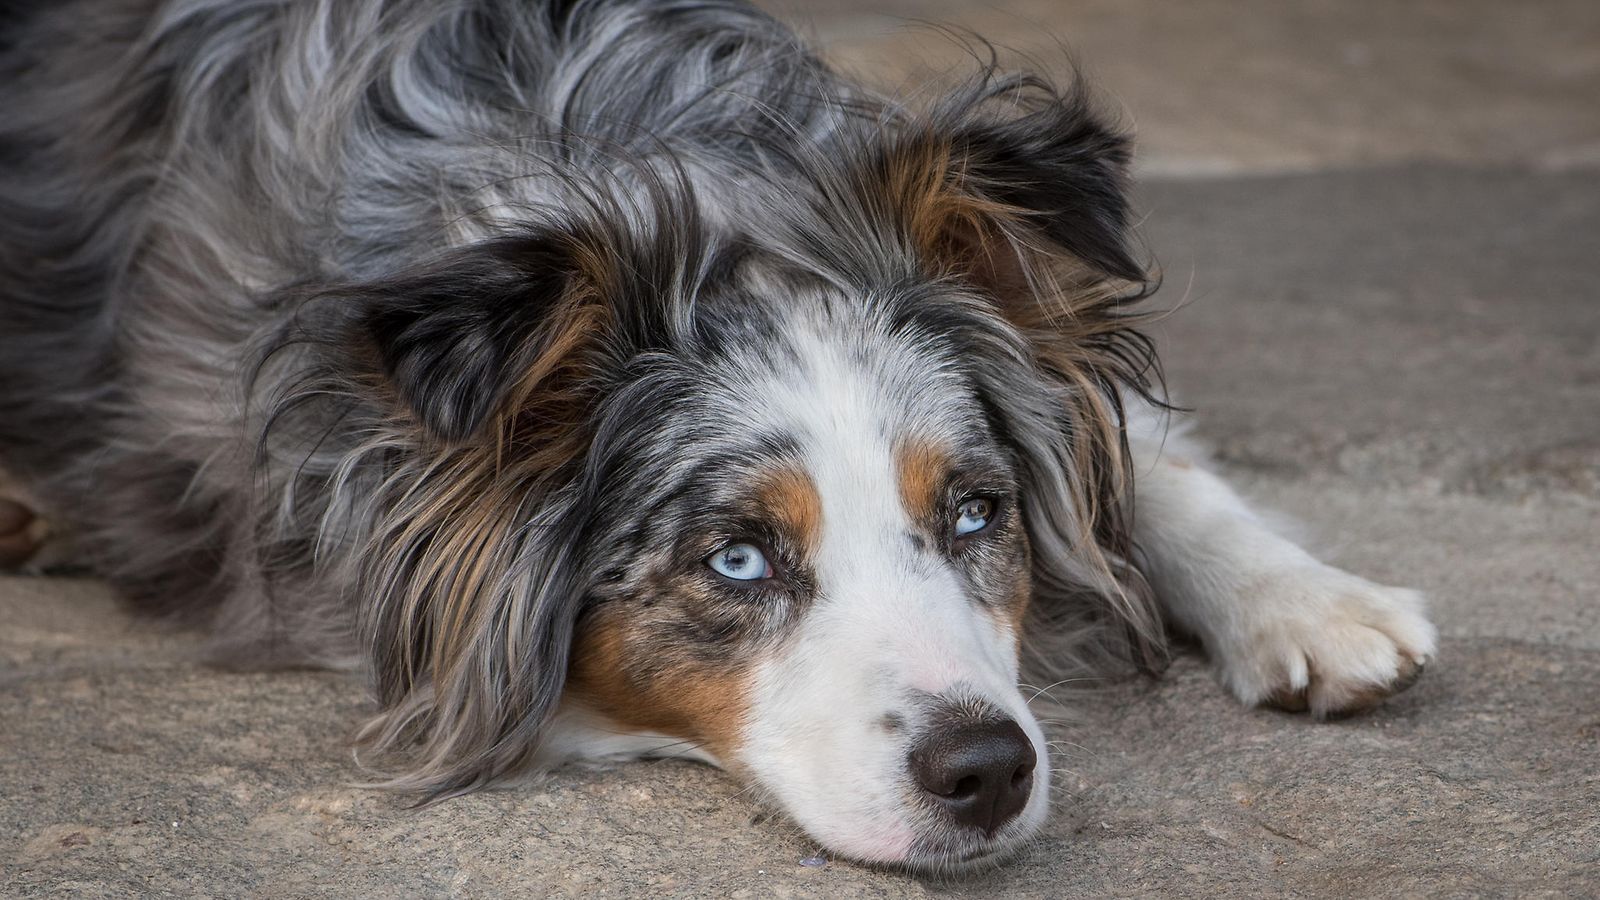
<point x="1385" y="220"/>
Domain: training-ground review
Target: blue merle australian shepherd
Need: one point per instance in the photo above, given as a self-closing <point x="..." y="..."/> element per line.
<point x="612" y="377"/>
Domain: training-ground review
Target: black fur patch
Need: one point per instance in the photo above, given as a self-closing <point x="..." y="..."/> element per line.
<point x="454" y="335"/>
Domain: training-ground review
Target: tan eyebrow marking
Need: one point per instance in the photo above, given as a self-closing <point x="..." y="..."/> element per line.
<point x="921" y="467"/>
<point x="789" y="495"/>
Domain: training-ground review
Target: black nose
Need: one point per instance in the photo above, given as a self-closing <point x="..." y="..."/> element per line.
<point x="980" y="773"/>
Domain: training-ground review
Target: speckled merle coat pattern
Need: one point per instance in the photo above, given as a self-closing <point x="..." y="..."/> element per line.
<point x="447" y="338"/>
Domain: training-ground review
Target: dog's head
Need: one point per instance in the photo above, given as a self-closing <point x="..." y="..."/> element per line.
<point x="784" y="487"/>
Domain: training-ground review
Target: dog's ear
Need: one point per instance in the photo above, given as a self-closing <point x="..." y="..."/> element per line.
<point x="479" y="331"/>
<point x="476" y="384"/>
<point x="449" y="409"/>
<point x="1059" y="169"/>
<point x="1010" y="185"/>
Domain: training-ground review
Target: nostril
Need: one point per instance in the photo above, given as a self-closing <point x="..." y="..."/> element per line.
<point x="979" y="773"/>
<point x="1022" y="775"/>
<point x="966" y="787"/>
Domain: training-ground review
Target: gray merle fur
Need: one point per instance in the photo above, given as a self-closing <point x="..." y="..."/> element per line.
<point x="370" y="330"/>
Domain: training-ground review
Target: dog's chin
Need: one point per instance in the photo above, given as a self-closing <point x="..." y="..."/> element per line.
<point x="958" y="860"/>
<point x="945" y="854"/>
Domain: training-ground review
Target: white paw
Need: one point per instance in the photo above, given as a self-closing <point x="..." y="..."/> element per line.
<point x="1320" y="639"/>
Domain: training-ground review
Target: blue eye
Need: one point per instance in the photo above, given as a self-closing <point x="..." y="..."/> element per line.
<point x="741" y="562"/>
<point x="974" y="515"/>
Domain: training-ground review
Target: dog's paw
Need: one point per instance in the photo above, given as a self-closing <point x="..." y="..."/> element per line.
<point x="1322" y="640"/>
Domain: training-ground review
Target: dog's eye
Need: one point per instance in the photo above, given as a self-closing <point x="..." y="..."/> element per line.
<point x="974" y="515"/>
<point x="741" y="562"/>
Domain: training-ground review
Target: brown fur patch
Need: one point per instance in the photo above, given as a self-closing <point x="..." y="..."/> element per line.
<point x="671" y="654"/>
<point x="17" y="543"/>
<point x="620" y="669"/>
<point x="922" y="468"/>
<point x="789" y="496"/>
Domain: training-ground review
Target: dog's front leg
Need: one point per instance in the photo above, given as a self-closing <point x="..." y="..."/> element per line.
<point x="1281" y="627"/>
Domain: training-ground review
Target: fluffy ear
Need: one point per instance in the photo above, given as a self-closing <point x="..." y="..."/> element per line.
<point x="1011" y="186"/>
<point x="1060" y="169"/>
<point x="457" y="339"/>
<point x="482" y="366"/>
<point x="474" y="576"/>
<point x="446" y="414"/>
<point x="470" y="385"/>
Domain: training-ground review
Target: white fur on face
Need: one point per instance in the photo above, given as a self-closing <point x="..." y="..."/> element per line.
<point x="834" y="714"/>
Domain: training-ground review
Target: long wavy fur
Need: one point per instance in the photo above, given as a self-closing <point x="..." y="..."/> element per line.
<point x="331" y="320"/>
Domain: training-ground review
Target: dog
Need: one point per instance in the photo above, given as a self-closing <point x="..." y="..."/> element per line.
<point x="614" y="379"/>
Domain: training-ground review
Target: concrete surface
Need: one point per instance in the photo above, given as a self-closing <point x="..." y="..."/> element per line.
<point x="1393" y="338"/>
<point x="1235" y="86"/>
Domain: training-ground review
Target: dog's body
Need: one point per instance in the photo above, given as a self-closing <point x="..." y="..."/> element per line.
<point x="611" y="378"/>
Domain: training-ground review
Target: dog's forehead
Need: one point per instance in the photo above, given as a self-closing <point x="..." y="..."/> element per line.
<point x="863" y="422"/>
<point x="825" y="370"/>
